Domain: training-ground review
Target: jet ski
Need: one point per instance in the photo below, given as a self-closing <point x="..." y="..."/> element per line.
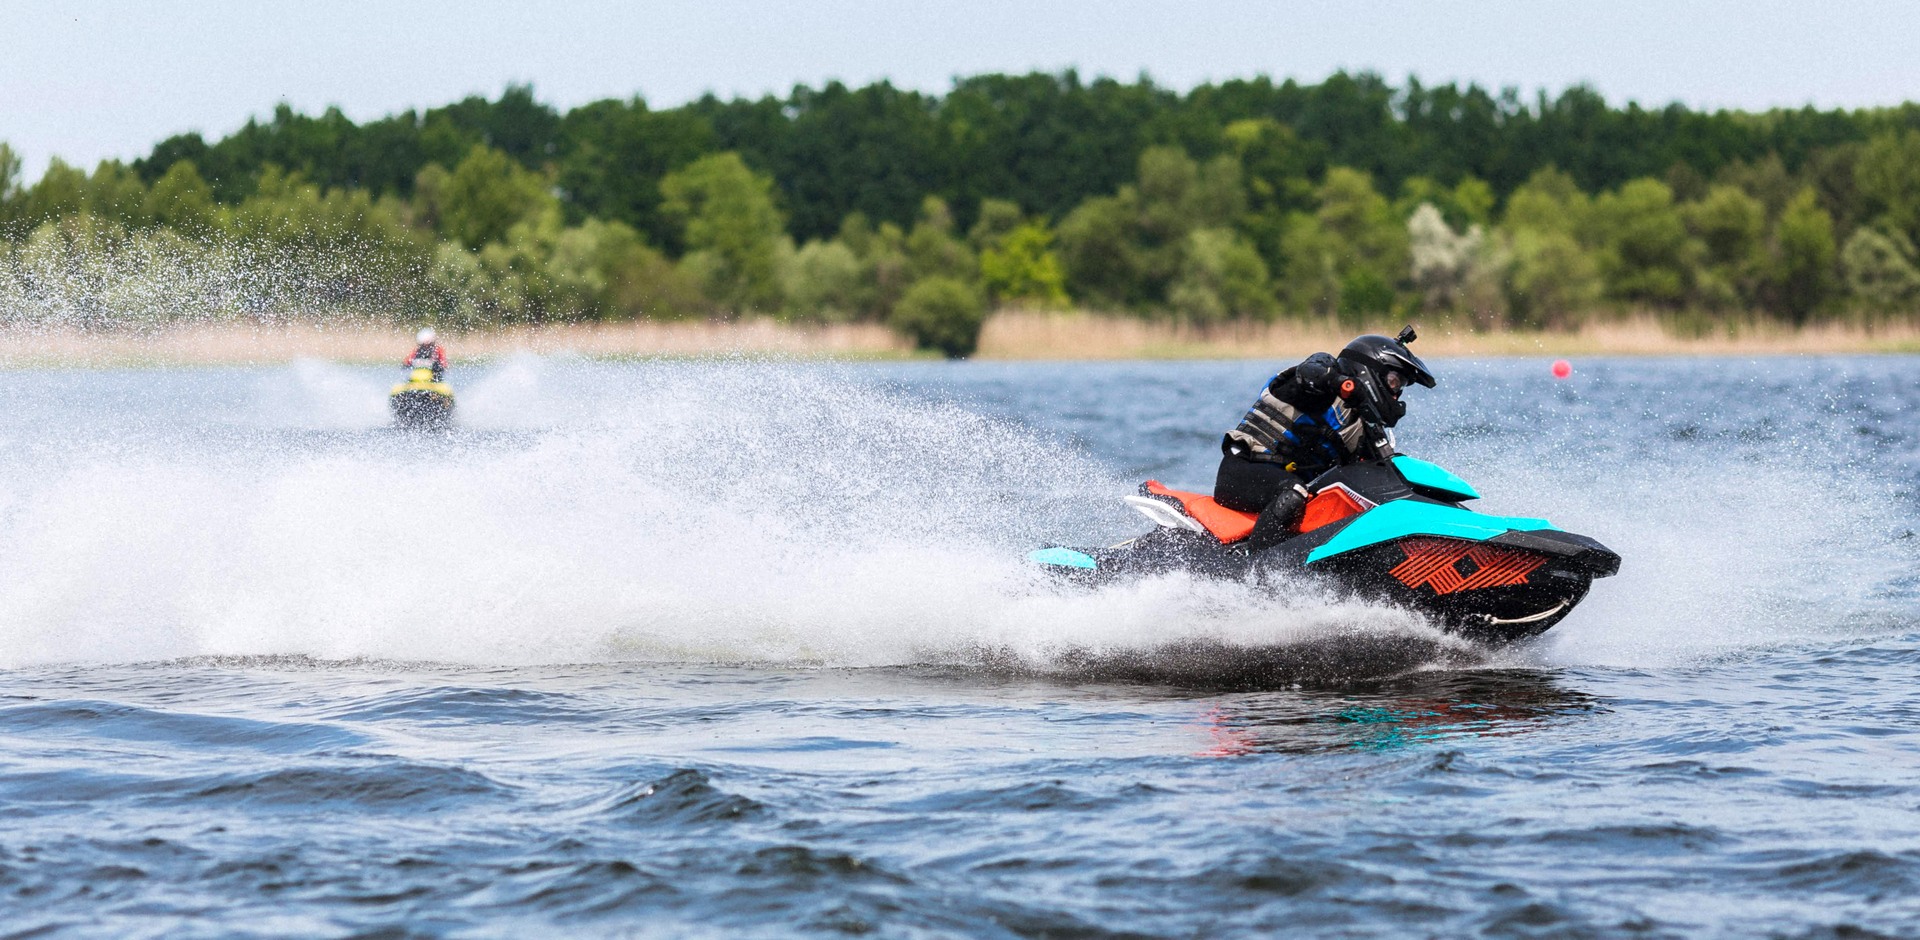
<point x="1391" y="528"/>
<point x="421" y="401"/>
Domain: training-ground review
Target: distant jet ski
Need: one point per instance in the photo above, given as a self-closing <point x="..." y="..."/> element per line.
<point x="421" y="401"/>
<point x="1392" y="529"/>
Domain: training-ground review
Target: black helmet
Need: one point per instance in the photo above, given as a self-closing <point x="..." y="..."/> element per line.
<point x="1381" y="355"/>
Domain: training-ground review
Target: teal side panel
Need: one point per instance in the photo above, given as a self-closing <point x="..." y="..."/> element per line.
<point x="1064" y="557"/>
<point x="1404" y="517"/>
<point x="1434" y="477"/>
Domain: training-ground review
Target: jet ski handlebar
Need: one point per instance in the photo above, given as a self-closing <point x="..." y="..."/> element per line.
<point x="1362" y="396"/>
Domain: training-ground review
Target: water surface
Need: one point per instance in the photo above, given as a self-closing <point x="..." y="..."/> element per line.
<point x="747" y="649"/>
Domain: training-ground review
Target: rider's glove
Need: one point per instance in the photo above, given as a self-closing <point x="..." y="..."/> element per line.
<point x="1317" y="375"/>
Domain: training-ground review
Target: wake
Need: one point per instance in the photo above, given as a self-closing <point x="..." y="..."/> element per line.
<point x="745" y="513"/>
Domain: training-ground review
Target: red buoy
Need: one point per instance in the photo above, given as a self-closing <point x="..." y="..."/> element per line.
<point x="1562" y="368"/>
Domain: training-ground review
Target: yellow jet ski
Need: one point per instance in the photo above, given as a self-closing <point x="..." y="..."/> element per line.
<point x="421" y="401"/>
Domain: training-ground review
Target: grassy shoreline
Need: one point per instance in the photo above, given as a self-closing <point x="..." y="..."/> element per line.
<point x="1008" y="336"/>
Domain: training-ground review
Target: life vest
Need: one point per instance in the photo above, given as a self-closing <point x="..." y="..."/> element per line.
<point x="431" y="354"/>
<point x="1275" y="431"/>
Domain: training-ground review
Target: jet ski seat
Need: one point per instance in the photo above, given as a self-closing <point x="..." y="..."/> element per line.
<point x="1227" y="525"/>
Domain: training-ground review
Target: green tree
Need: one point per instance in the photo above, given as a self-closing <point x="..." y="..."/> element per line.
<point x="1126" y="250"/>
<point x="943" y="314"/>
<point x="1888" y="175"/>
<point x="116" y="192"/>
<point x="1550" y="201"/>
<point x="485" y="195"/>
<point x="546" y="270"/>
<point x="60" y="192"/>
<point x="1646" y="255"/>
<point x="1552" y="276"/>
<point x="601" y="269"/>
<point x="1222" y="276"/>
<point x="822" y="282"/>
<point x="1352" y="211"/>
<point x="1170" y="205"/>
<point x="934" y="250"/>
<point x="1314" y="256"/>
<point x="1805" y="271"/>
<point x="612" y="155"/>
<point x="1022" y="268"/>
<point x="286" y="209"/>
<point x="728" y="217"/>
<point x="882" y="252"/>
<point x="877" y="150"/>
<point x="996" y="220"/>
<point x="480" y="288"/>
<point x="1553" y="280"/>
<point x="525" y="258"/>
<point x="1831" y="173"/>
<point x="1468" y="203"/>
<point x="1881" y="270"/>
<point x="1017" y="262"/>
<point x="1733" y="227"/>
<point x="182" y="201"/>
<point x="1276" y="164"/>
<point x="1349" y="255"/>
<point x="1103" y="260"/>
<point x="1731" y="223"/>
<point x="9" y="174"/>
<point x="346" y="250"/>
<point x="1766" y="179"/>
<point x="1277" y="167"/>
<point x="1473" y="201"/>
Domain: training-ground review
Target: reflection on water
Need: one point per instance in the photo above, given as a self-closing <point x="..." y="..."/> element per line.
<point x="1386" y="714"/>
<point x="1337" y="658"/>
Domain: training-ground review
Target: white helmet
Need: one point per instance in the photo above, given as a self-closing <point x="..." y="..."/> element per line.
<point x="425" y="336"/>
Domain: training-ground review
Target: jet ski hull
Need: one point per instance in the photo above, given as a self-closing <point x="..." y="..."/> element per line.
<point x="1491" y="593"/>
<point x="1488" y="591"/>
<point x="415" y="407"/>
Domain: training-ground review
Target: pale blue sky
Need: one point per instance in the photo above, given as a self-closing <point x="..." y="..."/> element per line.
<point x="96" y="79"/>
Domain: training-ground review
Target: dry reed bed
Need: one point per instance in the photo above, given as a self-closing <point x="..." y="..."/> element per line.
<point x="1090" y="336"/>
<point x="1008" y="336"/>
<point x="239" y="343"/>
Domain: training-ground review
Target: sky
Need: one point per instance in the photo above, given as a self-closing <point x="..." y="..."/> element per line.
<point x="93" y="80"/>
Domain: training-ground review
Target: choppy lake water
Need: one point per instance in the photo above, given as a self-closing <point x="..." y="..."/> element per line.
<point x="747" y="649"/>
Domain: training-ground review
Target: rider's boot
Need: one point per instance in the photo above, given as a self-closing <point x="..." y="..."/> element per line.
<point x="1278" y="521"/>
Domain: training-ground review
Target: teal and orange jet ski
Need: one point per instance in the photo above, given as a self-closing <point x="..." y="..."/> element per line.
<point x="1394" y="529"/>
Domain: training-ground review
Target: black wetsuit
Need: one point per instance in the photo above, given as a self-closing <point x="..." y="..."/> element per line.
<point x="1298" y="429"/>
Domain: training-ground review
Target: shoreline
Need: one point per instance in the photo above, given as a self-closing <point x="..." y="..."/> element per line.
<point x="1069" y="336"/>
<point x="1012" y="336"/>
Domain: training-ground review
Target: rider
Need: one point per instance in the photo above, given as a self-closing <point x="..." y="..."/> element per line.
<point x="1308" y="420"/>
<point x="428" y="348"/>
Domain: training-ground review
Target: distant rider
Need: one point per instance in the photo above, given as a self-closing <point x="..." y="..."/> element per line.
<point x="1308" y="420"/>
<point x="429" y="349"/>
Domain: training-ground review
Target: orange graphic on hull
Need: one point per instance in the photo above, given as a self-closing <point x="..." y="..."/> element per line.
<point x="1438" y="564"/>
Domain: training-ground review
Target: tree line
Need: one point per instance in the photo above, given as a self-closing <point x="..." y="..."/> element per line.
<point x="1246" y="199"/>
